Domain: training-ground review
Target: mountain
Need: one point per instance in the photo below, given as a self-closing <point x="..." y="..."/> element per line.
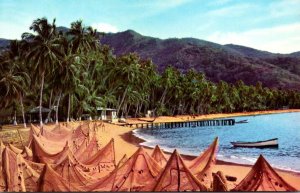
<point x="4" y="43"/>
<point x="219" y="62"/>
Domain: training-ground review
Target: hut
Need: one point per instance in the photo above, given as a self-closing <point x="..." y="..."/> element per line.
<point x="107" y="114"/>
<point x="34" y="113"/>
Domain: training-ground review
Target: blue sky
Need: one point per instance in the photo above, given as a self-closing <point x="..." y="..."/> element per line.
<point x="272" y="25"/>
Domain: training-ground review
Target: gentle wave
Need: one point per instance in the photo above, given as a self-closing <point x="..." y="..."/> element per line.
<point x="150" y="141"/>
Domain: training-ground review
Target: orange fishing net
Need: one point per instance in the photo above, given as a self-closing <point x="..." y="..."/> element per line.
<point x="177" y="177"/>
<point x="159" y="156"/>
<point x="2" y="177"/>
<point x="263" y="177"/>
<point x="51" y="181"/>
<point x="71" y="160"/>
<point x="219" y="182"/>
<point x="19" y="175"/>
<point x="68" y="167"/>
<point x="201" y="166"/>
<point x="88" y="149"/>
<point x="138" y="173"/>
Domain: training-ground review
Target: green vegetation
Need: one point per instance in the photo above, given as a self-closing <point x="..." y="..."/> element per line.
<point x="72" y="71"/>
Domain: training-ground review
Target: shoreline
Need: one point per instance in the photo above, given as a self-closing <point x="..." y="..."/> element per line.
<point x="126" y="144"/>
<point x="183" y="118"/>
<point x="238" y="170"/>
<point x="131" y="138"/>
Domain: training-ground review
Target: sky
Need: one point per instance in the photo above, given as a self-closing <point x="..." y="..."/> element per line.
<point x="271" y="25"/>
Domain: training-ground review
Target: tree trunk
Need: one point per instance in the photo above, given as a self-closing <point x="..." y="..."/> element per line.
<point x="50" y="104"/>
<point x="127" y="110"/>
<point x="120" y="105"/>
<point x="57" y="105"/>
<point x="15" y="118"/>
<point x="69" y="107"/>
<point x="162" y="99"/>
<point x="136" y="110"/>
<point x="23" y="113"/>
<point x="41" y="98"/>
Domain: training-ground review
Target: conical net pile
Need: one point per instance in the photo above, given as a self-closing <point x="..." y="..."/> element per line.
<point x="63" y="158"/>
<point x="159" y="156"/>
<point x="177" y="177"/>
<point x="263" y="177"/>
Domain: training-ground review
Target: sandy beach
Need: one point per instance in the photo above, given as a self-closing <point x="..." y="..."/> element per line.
<point x="126" y="143"/>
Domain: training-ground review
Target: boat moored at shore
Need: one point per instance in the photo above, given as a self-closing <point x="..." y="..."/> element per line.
<point x="257" y="144"/>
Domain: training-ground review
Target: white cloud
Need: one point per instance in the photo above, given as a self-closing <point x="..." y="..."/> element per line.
<point x="105" y="27"/>
<point x="284" y="8"/>
<point x="161" y="4"/>
<point x="232" y="10"/>
<point x="279" y="39"/>
<point x="10" y="30"/>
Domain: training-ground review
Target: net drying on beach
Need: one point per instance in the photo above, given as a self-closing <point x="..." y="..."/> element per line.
<point x="68" y="158"/>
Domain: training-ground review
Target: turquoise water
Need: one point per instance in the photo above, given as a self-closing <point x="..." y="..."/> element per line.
<point x="192" y="141"/>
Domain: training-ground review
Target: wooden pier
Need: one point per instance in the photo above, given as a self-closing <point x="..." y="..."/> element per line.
<point x="198" y="123"/>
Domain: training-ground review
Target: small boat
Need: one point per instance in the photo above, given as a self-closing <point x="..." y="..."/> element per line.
<point x="242" y="121"/>
<point x="258" y="144"/>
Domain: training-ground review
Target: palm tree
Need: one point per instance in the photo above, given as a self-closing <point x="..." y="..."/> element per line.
<point x="44" y="51"/>
<point x="14" y="79"/>
<point x="12" y="86"/>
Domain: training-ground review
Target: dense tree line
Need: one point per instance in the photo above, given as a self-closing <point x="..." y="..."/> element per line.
<point x="73" y="72"/>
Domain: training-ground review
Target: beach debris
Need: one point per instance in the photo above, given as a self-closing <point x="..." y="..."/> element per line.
<point x="231" y="178"/>
<point x="177" y="177"/>
<point x="159" y="156"/>
<point x="262" y="177"/>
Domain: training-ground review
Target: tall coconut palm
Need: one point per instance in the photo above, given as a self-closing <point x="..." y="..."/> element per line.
<point x="15" y="79"/>
<point x="12" y="86"/>
<point x="44" y="52"/>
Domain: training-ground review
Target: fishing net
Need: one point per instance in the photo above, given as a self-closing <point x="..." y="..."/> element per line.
<point x="177" y="177"/>
<point x="138" y="173"/>
<point x="87" y="149"/>
<point x="122" y="161"/>
<point x="15" y="149"/>
<point x="51" y="181"/>
<point x="219" y="182"/>
<point x="2" y="177"/>
<point x="159" y="156"/>
<point x="201" y="166"/>
<point x="262" y="177"/>
<point x="68" y="167"/>
<point x="27" y="153"/>
<point x="42" y="155"/>
<point x="20" y="176"/>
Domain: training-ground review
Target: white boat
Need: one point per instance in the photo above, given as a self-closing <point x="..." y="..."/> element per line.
<point x="259" y="144"/>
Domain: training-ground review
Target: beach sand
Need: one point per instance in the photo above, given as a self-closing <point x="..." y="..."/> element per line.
<point x="126" y="143"/>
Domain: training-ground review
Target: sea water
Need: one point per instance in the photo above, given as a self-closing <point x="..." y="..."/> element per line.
<point x="194" y="140"/>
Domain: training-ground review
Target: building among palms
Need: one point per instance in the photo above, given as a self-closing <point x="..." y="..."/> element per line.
<point x="107" y="114"/>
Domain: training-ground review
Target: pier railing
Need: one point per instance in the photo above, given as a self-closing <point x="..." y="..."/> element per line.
<point x="198" y="123"/>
